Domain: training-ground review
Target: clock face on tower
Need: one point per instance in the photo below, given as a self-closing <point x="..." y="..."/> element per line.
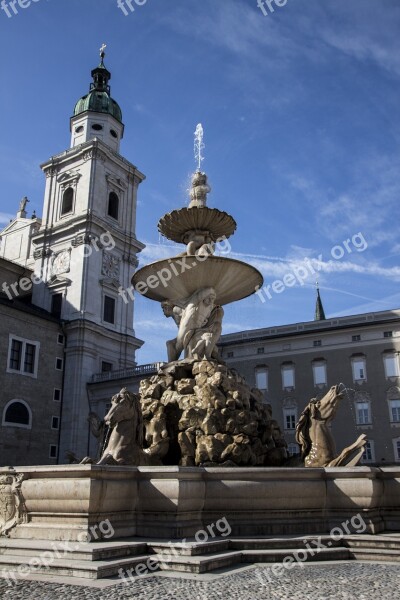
<point x="61" y="263"/>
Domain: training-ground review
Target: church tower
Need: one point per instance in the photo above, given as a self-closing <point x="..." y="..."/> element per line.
<point x="85" y="251"/>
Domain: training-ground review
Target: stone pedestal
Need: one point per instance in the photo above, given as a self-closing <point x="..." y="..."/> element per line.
<point x="60" y="503"/>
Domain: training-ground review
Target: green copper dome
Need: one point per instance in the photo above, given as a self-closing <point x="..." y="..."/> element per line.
<point x="98" y="99"/>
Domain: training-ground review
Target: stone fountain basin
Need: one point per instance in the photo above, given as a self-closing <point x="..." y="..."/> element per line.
<point x="177" y="278"/>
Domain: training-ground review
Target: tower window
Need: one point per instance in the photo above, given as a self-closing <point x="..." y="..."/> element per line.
<point x="97" y="127"/>
<point x="113" y="205"/>
<point x="67" y="201"/>
<point x="114" y="133"/>
<point x="79" y="129"/>
<point x="56" y="306"/>
<point x="109" y="310"/>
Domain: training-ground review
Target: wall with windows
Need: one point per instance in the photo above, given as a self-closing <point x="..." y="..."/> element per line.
<point x="31" y="381"/>
<point x="303" y="360"/>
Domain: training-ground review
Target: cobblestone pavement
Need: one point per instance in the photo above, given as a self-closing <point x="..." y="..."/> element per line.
<point x="358" y="581"/>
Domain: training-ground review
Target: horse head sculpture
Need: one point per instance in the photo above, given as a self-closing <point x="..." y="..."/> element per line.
<point x="315" y="438"/>
<point x="125" y="443"/>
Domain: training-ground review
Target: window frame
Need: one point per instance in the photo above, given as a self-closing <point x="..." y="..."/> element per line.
<point x="25" y="342"/>
<point x="369" y="447"/>
<point x="107" y="296"/>
<point x="63" y="192"/>
<point x="56" y="447"/>
<point x="317" y="364"/>
<point x="289" y="413"/>
<point x="395" y="357"/>
<point x="262" y="370"/>
<point x="5" y="423"/>
<point x="367" y="407"/>
<point x="397" y="408"/>
<point x="289" y="367"/>
<point x="118" y="203"/>
<point x="354" y="361"/>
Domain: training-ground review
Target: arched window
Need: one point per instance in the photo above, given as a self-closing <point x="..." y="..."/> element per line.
<point x="17" y="414"/>
<point x="113" y="204"/>
<point x="67" y="201"/>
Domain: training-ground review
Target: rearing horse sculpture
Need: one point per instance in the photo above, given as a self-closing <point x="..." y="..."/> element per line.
<point x="125" y="444"/>
<point x="315" y="439"/>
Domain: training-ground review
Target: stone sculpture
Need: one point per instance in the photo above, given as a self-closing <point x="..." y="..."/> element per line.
<point x="315" y="438"/>
<point x="12" y="507"/>
<point x="124" y="445"/>
<point x="201" y="413"/>
<point x="199" y="326"/>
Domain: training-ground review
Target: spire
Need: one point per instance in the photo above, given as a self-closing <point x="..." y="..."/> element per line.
<point x="101" y="75"/>
<point x="319" y="309"/>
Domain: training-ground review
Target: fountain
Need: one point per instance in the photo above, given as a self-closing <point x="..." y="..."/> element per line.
<point x="215" y="452"/>
<point x="208" y="414"/>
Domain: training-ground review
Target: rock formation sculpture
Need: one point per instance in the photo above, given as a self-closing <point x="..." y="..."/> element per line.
<point x="201" y="413"/>
<point x="315" y="438"/>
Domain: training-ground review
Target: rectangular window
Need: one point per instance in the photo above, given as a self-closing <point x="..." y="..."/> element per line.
<point x="56" y="305"/>
<point x="262" y="378"/>
<point x="369" y="452"/>
<point x="290" y="418"/>
<point x="60" y="339"/>
<point x="59" y="364"/>
<point x="29" y="360"/>
<point x="359" y="369"/>
<point x="260" y="350"/>
<point x="395" y="411"/>
<point x="356" y="338"/>
<point x="287" y="376"/>
<point x="397" y="449"/>
<point x="15" y="355"/>
<point x="53" y="451"/>
<point x="319" y="371"/>
<point x="55" y="422"/>
<point x="230" y="355"/>
<point x="362" y="413"/>
<point x="388" y="334"/>
<point x="391" y="365"/>
<point x="293" y="449"/>
<point x="106" y="367"/>
<point x="57" y="395"/>
<point x="317" y="343"/>
<point x="109" y="310"/>
<point x="23" y="356"/>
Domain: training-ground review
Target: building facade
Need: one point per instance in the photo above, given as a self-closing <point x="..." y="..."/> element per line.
<point x="83" y="252"/>
<point x="31" y="377"/>
<point x="294" y="363"/>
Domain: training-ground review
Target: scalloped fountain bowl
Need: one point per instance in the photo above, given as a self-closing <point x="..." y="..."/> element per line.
<point x="232" y="279"/>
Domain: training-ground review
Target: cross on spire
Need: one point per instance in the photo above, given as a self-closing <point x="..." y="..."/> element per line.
<point x="102" y="50"/>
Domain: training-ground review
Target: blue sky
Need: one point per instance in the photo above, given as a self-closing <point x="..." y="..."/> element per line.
<point x="302" y="129"/>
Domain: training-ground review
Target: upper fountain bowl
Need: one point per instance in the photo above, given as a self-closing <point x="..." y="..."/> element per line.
<point x="218" y="224"/>
<point x="177" y="278"/>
